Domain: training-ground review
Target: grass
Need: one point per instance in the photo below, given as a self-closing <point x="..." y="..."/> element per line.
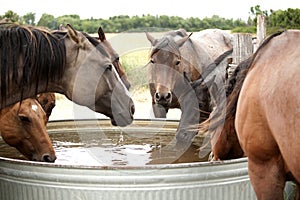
<point x="135" y="65"/>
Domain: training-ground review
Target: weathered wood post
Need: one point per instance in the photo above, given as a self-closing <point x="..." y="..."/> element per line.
<point x="261" y="30"/>
<point x="242" y="49"/>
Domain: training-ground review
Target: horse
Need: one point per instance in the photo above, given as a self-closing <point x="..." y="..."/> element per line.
<point x="263" y="114"/>
<point x="220" y="124"/>
<point x="34" y="60"/>
<point x="23" y="126"/>
<point x="47" y="101"/>
<point x="268" y="116"/>
<point x="114" y="57"/>
<point x="173" y="58"/>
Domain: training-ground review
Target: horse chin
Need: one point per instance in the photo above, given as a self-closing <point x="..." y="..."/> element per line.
<point x="121" y="121"/>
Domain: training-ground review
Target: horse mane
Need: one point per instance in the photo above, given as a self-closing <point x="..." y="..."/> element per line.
<point x="232" y="90"/>
<point x="29" y="54"/>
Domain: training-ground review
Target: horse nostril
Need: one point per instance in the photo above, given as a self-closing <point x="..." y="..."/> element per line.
<point x="132" y="109"/>
<point x="48" y="158"/>
<point x="168" y="96"/>
<point x="157" y="96"/>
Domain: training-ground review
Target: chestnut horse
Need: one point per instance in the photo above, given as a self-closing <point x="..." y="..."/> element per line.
<point x="268" y="115"/>
<point x="34" y="60"/>
<point x="23" y="126"/>
<point x="173" y="58"/>
<point x="261" y="119"/>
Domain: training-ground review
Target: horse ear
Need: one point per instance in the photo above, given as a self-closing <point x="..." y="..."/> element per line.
<point x="183" y="40"/>
<point x="152" y="40"/>
<point x="101" y="34"/>
<point x="73" y="34"/>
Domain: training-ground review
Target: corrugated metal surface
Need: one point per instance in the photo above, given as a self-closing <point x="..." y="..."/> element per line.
<point x="23" y="180"/>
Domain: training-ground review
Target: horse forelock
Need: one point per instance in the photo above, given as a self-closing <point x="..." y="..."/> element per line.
<point x="29" y="54"/>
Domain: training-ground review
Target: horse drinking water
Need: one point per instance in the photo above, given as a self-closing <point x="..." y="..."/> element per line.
<point x="34" y="60"/>
<point x="23" y="126"/>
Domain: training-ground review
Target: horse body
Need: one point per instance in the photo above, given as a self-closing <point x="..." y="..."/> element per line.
<point x="268" y="116"/>
<point x="66" y="62"/>
<point x="23" y="126"/>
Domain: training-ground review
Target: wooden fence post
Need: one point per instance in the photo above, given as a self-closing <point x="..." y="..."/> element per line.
<point x="242" y="47"/>
<point x="261" y="29"/>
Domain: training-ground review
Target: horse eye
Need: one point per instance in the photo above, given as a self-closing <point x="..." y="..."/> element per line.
<point x="177" y="62"/>
<point x="24" y="118"/>
<point x="152" y="61"/>
<point x="117" y="59"/>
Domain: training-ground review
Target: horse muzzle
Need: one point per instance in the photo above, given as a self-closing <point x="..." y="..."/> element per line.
<point x="163" y="98"/>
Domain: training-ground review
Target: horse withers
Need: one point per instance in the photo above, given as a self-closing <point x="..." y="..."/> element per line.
<point x="23" y="126"/>
<point x="66" y="62"/>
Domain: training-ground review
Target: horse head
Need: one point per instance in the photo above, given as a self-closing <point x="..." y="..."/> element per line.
<point x="166" y="68"/>
<point x="91" y="80"/>
<point x="23" y="126"/>
<point x="114" y="57"/>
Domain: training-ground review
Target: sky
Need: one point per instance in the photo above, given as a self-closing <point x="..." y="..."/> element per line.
<point x="229" y="9"/>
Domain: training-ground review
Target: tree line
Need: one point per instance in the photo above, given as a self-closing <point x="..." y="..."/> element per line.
<point x="286" y="19"/>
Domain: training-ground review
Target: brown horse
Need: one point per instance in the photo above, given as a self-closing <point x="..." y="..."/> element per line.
<point x="114" y="57"/>
<point x="33" y="60"/>
<point x="262" y="118"/>
<point x="173" y="58"/>
<point x="268" y="115"/>
<point x="23" y="126"/>
<point x="47" y="101"/>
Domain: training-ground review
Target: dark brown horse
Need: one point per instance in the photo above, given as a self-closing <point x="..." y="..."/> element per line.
<point x="263" y="108"/>
<point x="23" y="126"/>
<point x="114" y="57"/>
<point x="33" y="60"/>
<point x="175" y="57"/>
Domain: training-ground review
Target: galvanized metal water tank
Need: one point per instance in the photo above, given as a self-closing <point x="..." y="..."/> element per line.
<point x="25" y="180"/>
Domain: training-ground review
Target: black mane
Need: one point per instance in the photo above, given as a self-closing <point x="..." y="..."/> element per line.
<point x="28" y="55"/>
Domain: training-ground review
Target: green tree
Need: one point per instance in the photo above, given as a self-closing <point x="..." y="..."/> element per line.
<point x="11" y="16"/>
<point x="48" y="21"/>
<point x="29" y="18"/>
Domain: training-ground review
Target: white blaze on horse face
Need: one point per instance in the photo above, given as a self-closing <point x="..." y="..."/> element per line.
<point x="120" y="81"/>
<point x="34" y="107"/>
